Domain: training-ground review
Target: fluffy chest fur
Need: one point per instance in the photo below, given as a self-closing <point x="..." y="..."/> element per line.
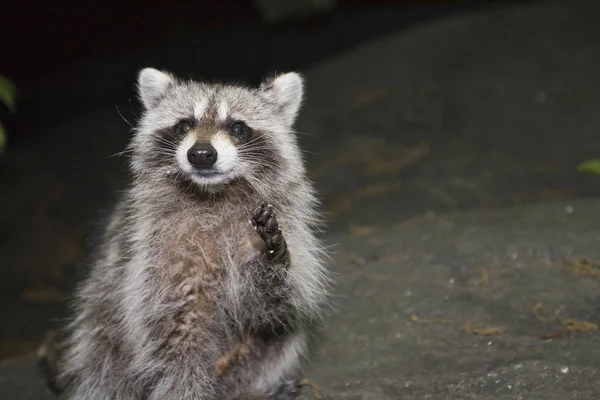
<point x="199" y="271"/>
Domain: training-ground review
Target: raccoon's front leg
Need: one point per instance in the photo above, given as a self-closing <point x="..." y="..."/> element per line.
<point x="265" y="222"/>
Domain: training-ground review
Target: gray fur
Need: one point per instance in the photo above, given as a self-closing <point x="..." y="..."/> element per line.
<point x="180" y="278"/>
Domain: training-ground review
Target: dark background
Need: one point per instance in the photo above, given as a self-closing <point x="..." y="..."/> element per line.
<point x="72" y="58"/>
<point x="105" y="43"/>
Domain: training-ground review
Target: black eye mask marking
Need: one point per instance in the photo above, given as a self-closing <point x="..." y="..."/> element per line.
<point x="184" y="126"/>
<point x="239" y="130"/>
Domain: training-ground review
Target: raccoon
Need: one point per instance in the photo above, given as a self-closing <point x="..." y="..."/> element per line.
<point x="209" y="279"/>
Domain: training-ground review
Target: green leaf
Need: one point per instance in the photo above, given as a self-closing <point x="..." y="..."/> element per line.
<point x="8" y="93"/>
<point x="2" y="139"/>
<point x="591" y="166"/>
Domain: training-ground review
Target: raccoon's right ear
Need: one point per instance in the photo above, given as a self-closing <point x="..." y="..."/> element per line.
<point x="152" y="86"/>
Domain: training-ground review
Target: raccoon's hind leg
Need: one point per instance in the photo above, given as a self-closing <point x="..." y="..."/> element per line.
<point x="289" y="390"/>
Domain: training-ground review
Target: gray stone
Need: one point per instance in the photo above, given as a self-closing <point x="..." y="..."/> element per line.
<point x="20" y="380"/>
<point x="482" y="110"/>
<point x="430" y="268"/>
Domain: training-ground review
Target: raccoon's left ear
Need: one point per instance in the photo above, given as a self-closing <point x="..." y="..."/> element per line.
<point x="152" y="86"/>
<point x="287" y="90"/>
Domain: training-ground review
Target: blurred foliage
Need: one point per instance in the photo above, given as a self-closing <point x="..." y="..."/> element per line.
<point x="8" y="96"/>
<point x="591" y="166"/>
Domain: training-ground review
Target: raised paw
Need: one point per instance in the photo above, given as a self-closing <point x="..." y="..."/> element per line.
<point x="265" y="222"/>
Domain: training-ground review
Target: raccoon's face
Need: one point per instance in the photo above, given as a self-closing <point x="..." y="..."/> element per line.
<point x="212" y="134"/>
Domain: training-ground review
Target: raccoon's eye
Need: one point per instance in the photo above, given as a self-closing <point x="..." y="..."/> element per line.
<point x="183" y="126"/>
<point x="240" y="130"/>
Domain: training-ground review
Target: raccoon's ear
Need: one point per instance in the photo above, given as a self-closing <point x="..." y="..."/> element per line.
<point x="152" y="86"/>
<point x="287" y="90"/>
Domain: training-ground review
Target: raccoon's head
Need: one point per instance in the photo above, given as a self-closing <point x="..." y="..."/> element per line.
<point x="211" y="135"/>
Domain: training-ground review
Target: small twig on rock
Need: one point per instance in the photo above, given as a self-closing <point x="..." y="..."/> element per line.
<point x="489" y="331"/>
<point x="569" y="324"/>
<point x="485" y="278"/>
<point x="315" y="388"/>
<point x="575" y="325"/>
<point x="584" y="266"/>
<point x="538" y="316"/>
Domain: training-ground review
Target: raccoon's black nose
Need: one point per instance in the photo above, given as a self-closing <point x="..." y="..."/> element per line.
<point x="202" y="155"/>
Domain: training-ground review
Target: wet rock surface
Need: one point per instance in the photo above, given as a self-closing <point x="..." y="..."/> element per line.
<point x="480" y="305"/>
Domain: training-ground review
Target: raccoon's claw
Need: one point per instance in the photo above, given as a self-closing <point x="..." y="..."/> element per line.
<point x="265" y="222"/>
